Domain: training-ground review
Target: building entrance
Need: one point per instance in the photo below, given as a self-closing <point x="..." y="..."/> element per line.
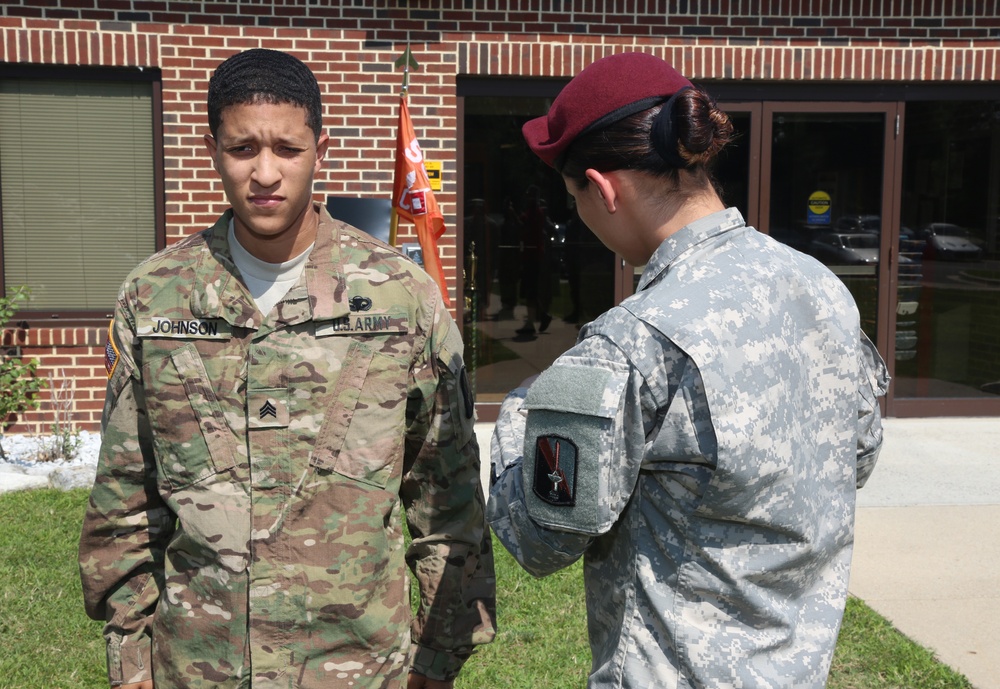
<point x="900" y="198"/>
<point x="860" y="190"/>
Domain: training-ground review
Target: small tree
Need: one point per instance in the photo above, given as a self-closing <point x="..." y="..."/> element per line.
<point x="19" y="385"/>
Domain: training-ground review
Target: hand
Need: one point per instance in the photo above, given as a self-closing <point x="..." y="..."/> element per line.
<point x="148" y="684"/>
<point x="416" y="681"/>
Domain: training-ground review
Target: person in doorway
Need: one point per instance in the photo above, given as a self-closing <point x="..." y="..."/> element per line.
<point x="283" y="389"/>
<point x="701" y="444"/>
<point x="536" y="277"/>
<point x="509" y="260"/>
<point x="481" y="238"/>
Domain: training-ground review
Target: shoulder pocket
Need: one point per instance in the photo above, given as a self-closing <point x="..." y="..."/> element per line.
<point x="190" y="436"/>
<point x="569" y="444"/>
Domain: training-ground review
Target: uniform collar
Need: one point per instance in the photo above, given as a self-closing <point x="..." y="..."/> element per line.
<point x="687" y="238"/>
<point x="319" y="294"/>
<point x="323" y="277"/>
<point x="219" y="292"/>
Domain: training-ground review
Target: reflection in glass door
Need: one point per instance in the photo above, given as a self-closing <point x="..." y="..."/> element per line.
<point x="534" y="273"/>
<point x="948" y="315"/>
<point x="827" y="194"/>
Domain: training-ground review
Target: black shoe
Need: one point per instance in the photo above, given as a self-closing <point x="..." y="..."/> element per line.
<point x="528" y="329"/>
<point x="546" y="319"/>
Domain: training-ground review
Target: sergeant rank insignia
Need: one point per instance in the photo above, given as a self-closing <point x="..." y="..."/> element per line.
<point x="555" y="470"/>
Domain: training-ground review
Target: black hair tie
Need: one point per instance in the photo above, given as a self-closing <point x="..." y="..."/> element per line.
<point x="664" y="134"/>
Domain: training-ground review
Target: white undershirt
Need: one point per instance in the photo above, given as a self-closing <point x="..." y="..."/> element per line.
<point x="267" y="282"/>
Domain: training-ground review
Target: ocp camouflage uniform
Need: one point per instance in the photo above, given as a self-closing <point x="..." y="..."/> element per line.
<point x="245" y="528"/>
<point x="701" y="446"/>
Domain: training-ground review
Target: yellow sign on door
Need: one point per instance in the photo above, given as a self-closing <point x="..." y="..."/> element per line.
<point x="819" y="208"/>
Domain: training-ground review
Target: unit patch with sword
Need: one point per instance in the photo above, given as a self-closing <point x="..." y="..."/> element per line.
<point x="555" y="470"/>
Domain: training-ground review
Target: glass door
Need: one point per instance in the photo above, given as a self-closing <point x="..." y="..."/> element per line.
<point x="828" y="194"/>
<point x="947" y="357"/>
<point x="534" y="274"/>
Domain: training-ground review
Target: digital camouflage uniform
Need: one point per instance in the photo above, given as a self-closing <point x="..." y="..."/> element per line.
<point x="701" y="446"/>
<point x="245" y="528"/>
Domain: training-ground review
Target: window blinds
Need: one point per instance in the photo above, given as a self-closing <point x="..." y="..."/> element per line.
<point x="76" y="175"/>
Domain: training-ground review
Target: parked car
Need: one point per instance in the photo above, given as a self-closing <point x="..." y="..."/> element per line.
<point x="854" y="224"/>
<point x="838" y="248"/>
<point x="949" y="242"/>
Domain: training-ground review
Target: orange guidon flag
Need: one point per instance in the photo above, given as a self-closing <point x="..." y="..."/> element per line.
<point x="413" y="200"/>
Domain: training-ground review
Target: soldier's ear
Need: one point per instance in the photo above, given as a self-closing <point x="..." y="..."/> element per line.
<point x="605" y="188"/>
<point x="212" y="146"/>
<point x="322" y="144"/>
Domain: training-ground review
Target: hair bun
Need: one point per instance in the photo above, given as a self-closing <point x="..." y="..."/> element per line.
<point x="664" y="132"/>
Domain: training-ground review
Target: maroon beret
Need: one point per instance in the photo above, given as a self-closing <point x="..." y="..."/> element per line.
<point x="606" y="91"/>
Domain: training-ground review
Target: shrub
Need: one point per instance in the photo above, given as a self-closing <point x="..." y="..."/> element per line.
<point x="19" y="385"/>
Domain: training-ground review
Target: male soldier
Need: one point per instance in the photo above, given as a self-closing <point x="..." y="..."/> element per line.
<point x="281" y="386"/>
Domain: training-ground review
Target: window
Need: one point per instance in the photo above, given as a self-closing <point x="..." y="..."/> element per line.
<point x="948" y="310"/>
<point x="78" y="186"/>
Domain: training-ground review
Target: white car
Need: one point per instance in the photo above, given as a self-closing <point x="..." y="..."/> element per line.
<point x="949" y="242"/>
<point x="838" y="248"/>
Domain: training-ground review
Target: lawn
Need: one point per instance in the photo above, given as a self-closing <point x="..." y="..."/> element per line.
<point x="47" y="640"/>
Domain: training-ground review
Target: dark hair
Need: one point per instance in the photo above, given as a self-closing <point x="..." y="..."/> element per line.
<point x="686" y="132"/>
<point x="264" y="76"/>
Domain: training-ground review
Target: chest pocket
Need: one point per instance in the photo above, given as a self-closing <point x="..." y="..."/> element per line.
<point x="191" y="440"/>
<point x="362" y="433"/>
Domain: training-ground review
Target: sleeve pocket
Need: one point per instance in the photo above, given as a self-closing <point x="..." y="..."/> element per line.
<point x="570" y="434"/>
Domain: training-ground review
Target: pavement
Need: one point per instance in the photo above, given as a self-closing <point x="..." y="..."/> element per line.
<point x="927" y="541"/>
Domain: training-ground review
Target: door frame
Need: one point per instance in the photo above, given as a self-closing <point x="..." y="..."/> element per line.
<point x="889" y="211"/>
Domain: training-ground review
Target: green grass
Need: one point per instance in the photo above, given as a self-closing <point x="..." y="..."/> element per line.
<point x="46" y="638"/>
<point x="542" y="637"/>
<point x="872" y="654"/>
<point x="47" y="641"/>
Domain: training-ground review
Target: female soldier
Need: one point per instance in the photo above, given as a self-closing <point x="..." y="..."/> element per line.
<point x="702" y="443"/>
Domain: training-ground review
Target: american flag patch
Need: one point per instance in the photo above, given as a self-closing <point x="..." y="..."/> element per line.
<point x="111" y="351"/>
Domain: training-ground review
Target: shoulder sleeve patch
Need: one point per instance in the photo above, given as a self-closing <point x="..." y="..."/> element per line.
<point x="555" y="470"/>
<point x="457" y="386"/>
<point x="111" y="353"/>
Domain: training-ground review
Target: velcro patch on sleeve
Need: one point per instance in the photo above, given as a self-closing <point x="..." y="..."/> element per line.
<point x="461" y="397"/>
<point x="569" y="440"/>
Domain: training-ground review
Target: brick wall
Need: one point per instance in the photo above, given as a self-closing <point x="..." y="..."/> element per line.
<point x="352" y="46"/>
<point x="71" y="360"/>
<point x="427" y="20"/>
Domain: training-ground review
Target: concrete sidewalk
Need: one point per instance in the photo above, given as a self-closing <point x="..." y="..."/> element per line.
<point x="927" y="548"/>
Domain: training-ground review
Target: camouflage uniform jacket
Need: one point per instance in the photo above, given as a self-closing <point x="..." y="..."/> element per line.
<point x="245" y="527"/>
<point x="701" y="447"/>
